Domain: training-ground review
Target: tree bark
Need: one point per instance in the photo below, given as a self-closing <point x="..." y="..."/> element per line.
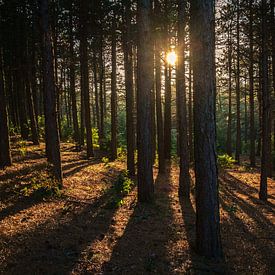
<point x="51" y="125"/>
<point x="184" y="177"/>
<point x="251" y="88"/>
<point x="128" y="65"/>
<point x="238" y="92"/>
<point x="265" y="105"/>
<point x="144" y="90"/>
<point x="229" y="122"/>
<point x="5" y="155"/>
<point x="159" y="114"/>
<point x="85" y="75"/>
<point x="113" y="95"/>
<point x="208" y="241"/>
<point x="72" y="81"/>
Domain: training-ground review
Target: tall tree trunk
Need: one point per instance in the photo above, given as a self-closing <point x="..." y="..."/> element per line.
<point x="101" y="89"/>
<point x="208" y="239"/>
<point x="245" y="113"/>
<point x="51" y="126"/>
<point x="96" y="92"/>
<point x="128" y="64"/>
<point x="265" y="106"/>
<point x="72" y="81"/>
<point x="85" y="75"/>
<point x="113" y="95"/>
<point x="34" y="128"/>
<point x="158" y="75"/>
<point x="229" y="122"/>
<point x="5" y="155"/>
<point x="190" y="110"/>
<point x="251" y="88"/>
<point x="22" y="108"/>
<point x="168" y="94"/>
<point x="144" y="90"/>
<point x="238" y="92"/>
<point x="167" y="112"/>
<point x="272" y="23"/>
<point x="184" y="178"/>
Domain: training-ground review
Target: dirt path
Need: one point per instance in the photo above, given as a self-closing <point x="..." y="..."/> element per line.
<point x="83" y="232"/>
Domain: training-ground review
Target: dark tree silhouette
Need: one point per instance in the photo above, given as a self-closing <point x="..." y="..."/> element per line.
<point x="208" y="239"/>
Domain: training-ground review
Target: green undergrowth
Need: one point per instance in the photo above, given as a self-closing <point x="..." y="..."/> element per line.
<point x="225" y="161"/>
<point x="41" y="185"/>
<point x="121" y="187"/>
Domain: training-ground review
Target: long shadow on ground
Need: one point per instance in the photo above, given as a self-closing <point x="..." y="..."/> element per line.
<point x="56" y="246"/>
<point x="11" y="189"/>
<point x="143" y="247"/>
<point x="246" y="229"/>
<point x="199" y="265"/>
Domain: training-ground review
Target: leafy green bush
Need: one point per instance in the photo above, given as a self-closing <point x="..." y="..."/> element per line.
<point x="121" y="154"/>
<point x="106" y="161"/>
<point x="123" y="183"/>
<point x="22" y="144"/>
<point x="41" y="125"/>
<point x="225" y="161"/>
<point x="122" y="186"/>
<point x="95" y="138"/>
<point x="41" y="184"/>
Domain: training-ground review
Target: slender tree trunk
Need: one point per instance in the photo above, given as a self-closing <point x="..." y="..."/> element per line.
<point x="159" y="114"/>
<point x="190" y="110"/>
<point x="85" y="75"/>
<point x="72" y="82"/>
<point x="144" y="89"/>
<point x="184" y="178"/>
<point x="101" y="90"/>
<point x="5" y="155"/>
<point x="238" y="100"/>
<point x="265" y="107"/>
<point x="22" y="108"/>
<point x="51" y="126"/>
<point x="128" y="64"/>
<point x="229" y="122"/>
<point x="34" y="131"/>
<point x="96" y="93"/>
<point x="251" y="88"/>
<point x="113" y="95"/>
<point x="167" y="112"/>
<point x="245" y="113"/>
<point x="208" y="239"/>
<point x="272" y="23"/>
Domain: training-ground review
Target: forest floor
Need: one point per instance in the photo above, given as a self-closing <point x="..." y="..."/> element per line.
<point x="82" y="231"/>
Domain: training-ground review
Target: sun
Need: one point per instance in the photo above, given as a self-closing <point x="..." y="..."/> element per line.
<point x="171" y="58"/>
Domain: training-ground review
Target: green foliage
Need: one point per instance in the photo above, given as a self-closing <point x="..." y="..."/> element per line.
<point x="122" y="186"/>
<point x="123" y="183"/>
<point x="95" y="138"/>
<point x="121" y="154"/>
<point x="106" y="161"/>
<point x="225" y="161"/>
<point x="22" y="148"/>
<point x="41" y="125"/>
<point x="41" y="185"/>
<point x="66" y="130"/>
